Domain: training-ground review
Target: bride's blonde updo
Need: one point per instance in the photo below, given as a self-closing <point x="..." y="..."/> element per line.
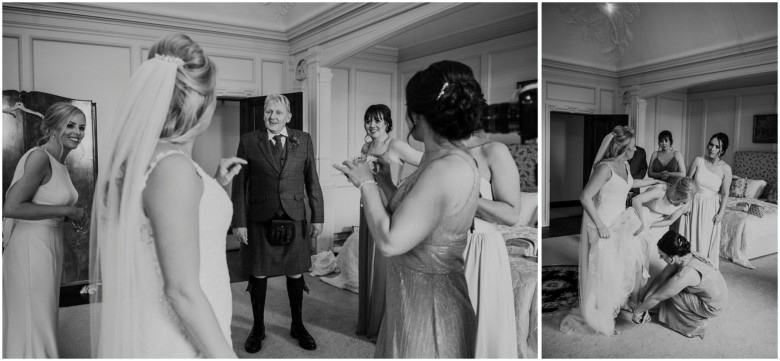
<point x="194" y="98"/>
<point x="621" y="140"/>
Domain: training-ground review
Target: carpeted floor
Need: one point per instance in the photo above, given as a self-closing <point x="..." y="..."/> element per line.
<point x="330" y="315"/>
<point x="746" y="329"/>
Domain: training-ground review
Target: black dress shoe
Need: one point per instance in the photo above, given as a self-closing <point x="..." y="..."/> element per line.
<point x="254" y="342"/>
<point x="304" y="338"/>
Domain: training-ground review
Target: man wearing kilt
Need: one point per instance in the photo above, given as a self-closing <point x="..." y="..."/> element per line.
<point x="268" y="214"/>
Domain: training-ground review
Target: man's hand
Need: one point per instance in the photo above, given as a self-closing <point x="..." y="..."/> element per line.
<point x="315" y="229"/>
<point x="241" y="234"/>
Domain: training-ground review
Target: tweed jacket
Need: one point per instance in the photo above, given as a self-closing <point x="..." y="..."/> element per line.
<point x="262" y="186"/>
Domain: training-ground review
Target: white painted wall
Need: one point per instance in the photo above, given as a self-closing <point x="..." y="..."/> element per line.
<point x="497" y="64"/>
<point x="731" y="112"/>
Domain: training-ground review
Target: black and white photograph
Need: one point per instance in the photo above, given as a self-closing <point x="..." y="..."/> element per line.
<point x="271" y="180"/>
<point x="659" y="194"/>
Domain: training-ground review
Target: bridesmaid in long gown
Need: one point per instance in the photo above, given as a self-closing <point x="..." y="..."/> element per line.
<point x="666" y="163"/>
<point x="610" y="258"/>
<point x="424" y="228"/>
<point x="713" y="176"/>
<point x="392" y="154"/>
<point x="40" y="197"/>
<point x="690" y="290"/>
<point x="488" y="272"/>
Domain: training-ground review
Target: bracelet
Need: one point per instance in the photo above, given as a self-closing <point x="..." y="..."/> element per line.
<point x="360" y="187"/>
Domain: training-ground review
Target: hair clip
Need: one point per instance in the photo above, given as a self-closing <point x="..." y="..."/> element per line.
<point x="442" y="90"/>
<point x="169" y="58"/>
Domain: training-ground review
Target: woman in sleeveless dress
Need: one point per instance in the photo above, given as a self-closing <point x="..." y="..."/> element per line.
<point x="713" y="177"/>
<point x="423" y="229"/>
<point x="666" y="163"/>
<point x="659" y="207"/>
<point x="40" y="197"/>
<point x="162" y="219"/>
<point x="689" y="291"/>
<point x="391" y="156"/>
<point x="611" y="259"/>
<point x="488" y="273"/>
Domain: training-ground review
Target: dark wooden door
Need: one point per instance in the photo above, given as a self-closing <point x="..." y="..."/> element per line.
<point x="596" y="127"/>
<point x="252" y="109"/>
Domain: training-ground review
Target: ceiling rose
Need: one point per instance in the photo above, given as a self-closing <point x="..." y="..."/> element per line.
<point x="606" y="23"/>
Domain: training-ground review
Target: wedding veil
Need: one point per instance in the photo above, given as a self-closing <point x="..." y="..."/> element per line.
<point x="117" y="261"/>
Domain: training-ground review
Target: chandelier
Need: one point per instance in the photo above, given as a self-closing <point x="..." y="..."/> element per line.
<point x="606" y="23"/>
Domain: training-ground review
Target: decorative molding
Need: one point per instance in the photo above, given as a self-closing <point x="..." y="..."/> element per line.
<point x="85" y="14"/>
<point x="606" y="23"/>
<point x="237" y="92"/>
<point x="474" y="35"/>
<point x="340" y="20"/>
<point x="761" y="51"/>
<point x="556" y="66"/>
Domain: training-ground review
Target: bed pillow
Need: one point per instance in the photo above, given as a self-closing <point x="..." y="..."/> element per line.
<point x="738" y="186"/>
<point x="754" y="188"/>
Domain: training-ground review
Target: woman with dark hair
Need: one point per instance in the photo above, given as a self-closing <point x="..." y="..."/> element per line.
<point x="424" y="227"/>
<point x="40" y="197"/>
<point x="689" y="290"/>
<point x="611" y="258"/>
<point x="713" y="178"/>
<point x="391" y="155"/>
<point x="158" y="250"/>
<point x="666" y="163"/>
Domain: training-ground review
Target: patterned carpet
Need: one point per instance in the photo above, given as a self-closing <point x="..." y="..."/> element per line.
<point x="559" y="288"/>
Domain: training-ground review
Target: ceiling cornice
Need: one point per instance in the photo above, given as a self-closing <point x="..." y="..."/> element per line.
<point x="759" y="53"/>
<point x="576" y="68"/>
<point x="93" y="12"/>
<point x="332" y="25"/>
<point x="468" y="36"/>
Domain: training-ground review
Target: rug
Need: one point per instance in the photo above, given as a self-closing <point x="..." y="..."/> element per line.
<point x="559" y="288"/>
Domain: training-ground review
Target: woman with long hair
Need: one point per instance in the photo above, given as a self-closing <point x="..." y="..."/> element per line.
<point x="713" y="177"/>
<point x="40" y="197"/>
<point x="423" y="229"/>
<point x="158" y="248"/>
<point x="611" y="258"/>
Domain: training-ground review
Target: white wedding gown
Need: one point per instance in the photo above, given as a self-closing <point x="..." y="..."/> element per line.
<point x="165" y="337"/>
<point x="608" y="266"/>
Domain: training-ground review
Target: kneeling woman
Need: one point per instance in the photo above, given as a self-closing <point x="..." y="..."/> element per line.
<point x="690" y="289"/>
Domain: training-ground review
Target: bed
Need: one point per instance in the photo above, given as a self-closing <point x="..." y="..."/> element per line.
<point x="745" y="236"/>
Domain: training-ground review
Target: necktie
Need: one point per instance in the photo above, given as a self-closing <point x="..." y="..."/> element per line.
<point x="278" y="149"/>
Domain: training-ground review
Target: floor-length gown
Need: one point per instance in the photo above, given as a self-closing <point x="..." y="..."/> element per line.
<point x="608" y="266"/>
<point x="428" y="312"/>
<point x="654" y="211"/>
<point x="698" y="227"/>
<point x="489" y="280"/>
<point x="373" y="265"/>
<point x="165" y="337"/>
<point x="687" y="312"/>
<point x="32" y="269"/>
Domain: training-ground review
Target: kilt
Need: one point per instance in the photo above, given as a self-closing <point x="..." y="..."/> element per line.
<point x="260" y="258"/>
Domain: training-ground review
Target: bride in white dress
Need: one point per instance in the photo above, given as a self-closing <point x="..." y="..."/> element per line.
<point x="611" y="258"/>
<point x="159" y="246"/>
